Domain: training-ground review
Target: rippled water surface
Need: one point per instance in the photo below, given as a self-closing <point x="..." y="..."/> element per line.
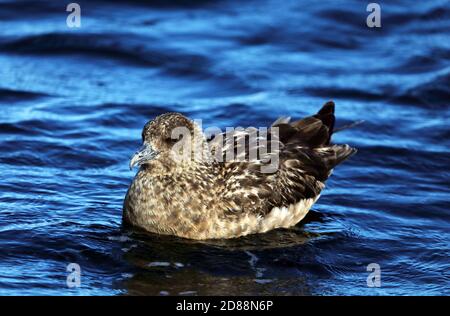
<point x="73" y="102"/>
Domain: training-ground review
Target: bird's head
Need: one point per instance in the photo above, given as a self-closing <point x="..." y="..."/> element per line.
<point x="170" y="137"/>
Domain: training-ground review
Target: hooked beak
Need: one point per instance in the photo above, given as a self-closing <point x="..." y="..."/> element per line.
<point x="145" y="153"/>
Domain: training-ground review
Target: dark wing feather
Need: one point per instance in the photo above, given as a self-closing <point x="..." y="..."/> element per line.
<point x="316" y="130"/>
<point x="305" y="162"/>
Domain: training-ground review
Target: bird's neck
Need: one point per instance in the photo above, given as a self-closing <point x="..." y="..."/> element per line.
<point x="168" y="167"/>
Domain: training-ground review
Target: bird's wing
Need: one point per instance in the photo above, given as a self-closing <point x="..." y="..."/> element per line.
<point x="300" y="151"/>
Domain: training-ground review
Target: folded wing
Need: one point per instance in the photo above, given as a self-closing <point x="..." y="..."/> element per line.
<point x="305" y="158"/>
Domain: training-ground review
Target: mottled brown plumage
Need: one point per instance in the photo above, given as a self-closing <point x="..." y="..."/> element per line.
<point x="207" y="196"/>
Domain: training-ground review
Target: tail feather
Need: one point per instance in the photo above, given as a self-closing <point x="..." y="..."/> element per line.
<point x="316" y="130"/>
<point x="334" y="155"/>
<point x="326" y="115"/>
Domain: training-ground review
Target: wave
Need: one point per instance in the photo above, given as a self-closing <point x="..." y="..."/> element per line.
<point x="11" y="95"/>
<point x="126" y="48"/>
<point x="431" y="94"/>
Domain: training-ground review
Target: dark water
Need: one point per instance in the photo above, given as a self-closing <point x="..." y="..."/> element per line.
<point x="73" y="102"/>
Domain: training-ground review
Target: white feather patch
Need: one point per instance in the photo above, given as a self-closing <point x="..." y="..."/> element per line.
<point x="278" y="217"/>
<point x="286" y="216"/>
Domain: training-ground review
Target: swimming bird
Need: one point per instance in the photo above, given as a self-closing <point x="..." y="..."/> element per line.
<point x="188" y="186"/>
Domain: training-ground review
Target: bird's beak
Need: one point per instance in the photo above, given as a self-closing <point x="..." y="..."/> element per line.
<point x="145" y="153"/>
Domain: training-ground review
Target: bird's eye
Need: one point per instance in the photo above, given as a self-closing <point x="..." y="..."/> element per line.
<point x="172" y="140"/>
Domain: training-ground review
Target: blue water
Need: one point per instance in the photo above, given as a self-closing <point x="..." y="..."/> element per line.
<point x="73" y="102"/>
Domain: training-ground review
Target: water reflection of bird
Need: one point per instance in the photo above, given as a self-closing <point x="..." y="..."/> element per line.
<point x="189" y="187"/>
